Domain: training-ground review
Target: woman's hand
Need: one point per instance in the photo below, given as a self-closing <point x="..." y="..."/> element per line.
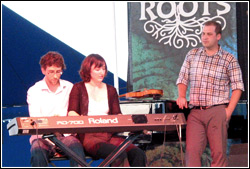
<point x="73" y="113"/>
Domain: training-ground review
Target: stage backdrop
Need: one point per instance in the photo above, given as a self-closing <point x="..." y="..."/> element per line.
<point x="161" y="34"/>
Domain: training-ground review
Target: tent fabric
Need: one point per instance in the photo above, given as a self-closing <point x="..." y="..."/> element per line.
<point x="23" y="44"/>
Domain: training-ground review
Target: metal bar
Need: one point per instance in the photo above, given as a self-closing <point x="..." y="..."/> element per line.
<point x="67" y="150"/>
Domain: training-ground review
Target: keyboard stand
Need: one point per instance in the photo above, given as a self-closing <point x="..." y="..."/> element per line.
<point x="66" y="150"/>
<point x="118" y="150"/>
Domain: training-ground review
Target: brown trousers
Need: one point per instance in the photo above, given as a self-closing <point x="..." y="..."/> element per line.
<point x="202" y="126"/>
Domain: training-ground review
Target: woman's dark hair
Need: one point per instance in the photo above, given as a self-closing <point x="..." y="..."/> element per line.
<point x="92" y="59"/>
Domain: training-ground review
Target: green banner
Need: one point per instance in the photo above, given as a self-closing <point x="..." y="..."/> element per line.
<point x="161" y="34"/>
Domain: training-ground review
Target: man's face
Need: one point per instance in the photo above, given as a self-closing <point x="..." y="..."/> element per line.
<point x="52" y="74"/>
<point x="209" y="37"/>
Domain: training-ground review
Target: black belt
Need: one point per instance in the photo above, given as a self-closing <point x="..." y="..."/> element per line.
<point x="207" y="107"/>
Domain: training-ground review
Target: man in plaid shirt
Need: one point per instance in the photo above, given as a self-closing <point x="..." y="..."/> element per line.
<point x="210" y="70"/>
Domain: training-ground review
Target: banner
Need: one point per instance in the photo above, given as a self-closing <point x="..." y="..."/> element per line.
<point x="162" y="33"/>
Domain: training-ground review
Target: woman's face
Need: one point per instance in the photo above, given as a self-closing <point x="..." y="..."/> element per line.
<point x="97" y="73"/>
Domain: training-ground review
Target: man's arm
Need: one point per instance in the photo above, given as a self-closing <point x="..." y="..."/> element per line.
<point x="233" y="103"/>
<point x="33" y="103"/>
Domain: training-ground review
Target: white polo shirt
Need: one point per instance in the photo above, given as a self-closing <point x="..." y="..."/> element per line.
<point x="44" y="103"/>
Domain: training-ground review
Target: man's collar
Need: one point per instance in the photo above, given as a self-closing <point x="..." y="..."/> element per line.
<point x="219" y="52"/>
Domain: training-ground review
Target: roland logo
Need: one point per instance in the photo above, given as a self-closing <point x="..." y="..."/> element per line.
<point x="102" y="121"/>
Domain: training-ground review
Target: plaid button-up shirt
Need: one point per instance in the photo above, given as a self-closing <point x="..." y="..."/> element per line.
<point x="210" y="76"/>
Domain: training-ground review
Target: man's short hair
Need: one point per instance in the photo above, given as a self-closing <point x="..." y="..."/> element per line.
<point x="52" y="58"/>
<point x="218" y="29"/>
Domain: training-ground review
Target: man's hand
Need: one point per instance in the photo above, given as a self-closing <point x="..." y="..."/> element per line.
<point x="182" y="102"/>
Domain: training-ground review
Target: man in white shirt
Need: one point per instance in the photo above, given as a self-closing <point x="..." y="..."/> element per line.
<point x="49" y="97"/>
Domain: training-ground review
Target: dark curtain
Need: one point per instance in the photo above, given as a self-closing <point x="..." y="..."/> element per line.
<point x="242" y="42"/>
